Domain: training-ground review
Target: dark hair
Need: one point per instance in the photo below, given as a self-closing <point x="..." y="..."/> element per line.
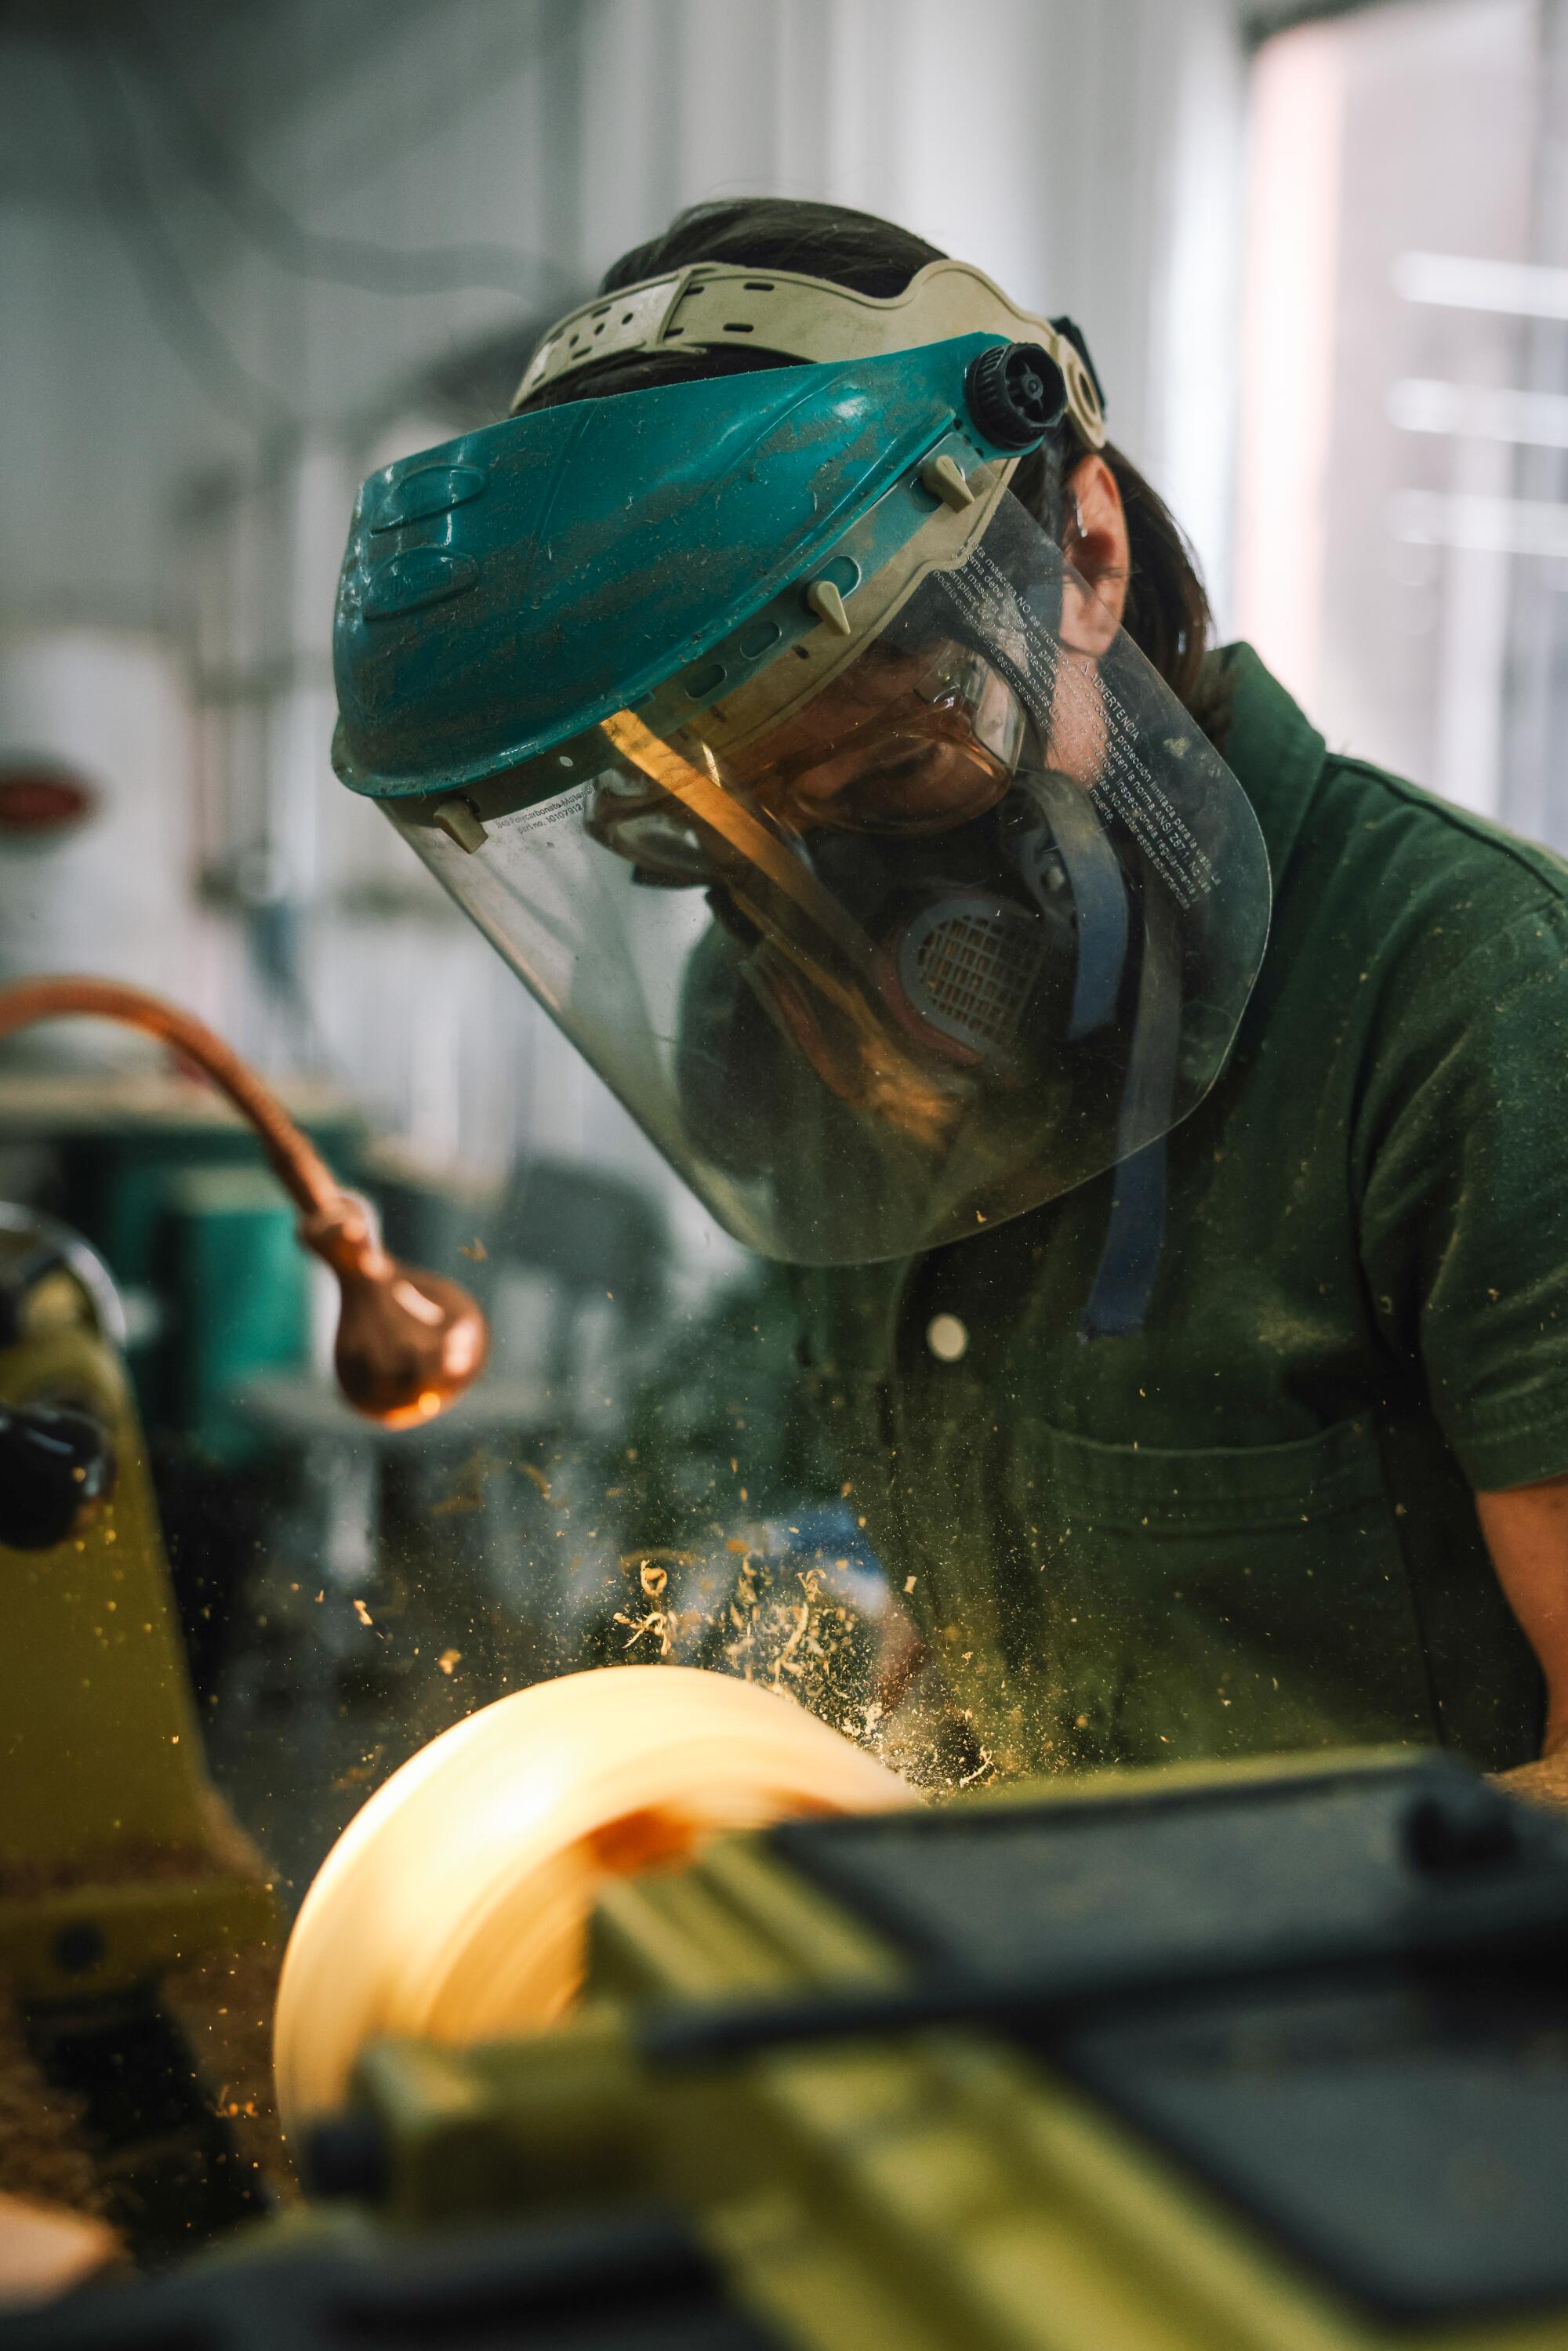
<point x="1167" y="612"/>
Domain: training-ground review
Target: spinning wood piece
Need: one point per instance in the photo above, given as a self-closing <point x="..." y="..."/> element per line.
<point x="456" y="1904"/>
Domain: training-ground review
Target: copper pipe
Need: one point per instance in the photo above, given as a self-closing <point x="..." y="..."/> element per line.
<point x="409" y="1343"/>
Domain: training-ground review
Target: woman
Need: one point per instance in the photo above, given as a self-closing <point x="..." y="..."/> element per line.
<point x="1260" y="1439"/>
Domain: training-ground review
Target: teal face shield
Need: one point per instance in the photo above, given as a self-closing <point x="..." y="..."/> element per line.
<point x="777" y="748"/>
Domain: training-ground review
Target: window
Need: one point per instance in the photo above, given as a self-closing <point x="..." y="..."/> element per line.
<point x="1401" y="557"/>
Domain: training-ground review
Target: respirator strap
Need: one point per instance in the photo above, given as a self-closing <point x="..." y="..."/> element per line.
<point x="1129" y="1263"/>
<point x="1099" y="891"/>
<point x="1130" y="1260"/>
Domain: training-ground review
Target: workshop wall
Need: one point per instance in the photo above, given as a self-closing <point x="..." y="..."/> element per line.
<point x="188" y="435"/>
<point x="107" y="702"/>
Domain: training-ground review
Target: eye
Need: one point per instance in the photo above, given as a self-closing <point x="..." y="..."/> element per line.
<point x="905" y="763"/>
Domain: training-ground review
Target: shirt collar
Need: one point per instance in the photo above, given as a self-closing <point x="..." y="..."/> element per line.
<point x="1273" y="750"/>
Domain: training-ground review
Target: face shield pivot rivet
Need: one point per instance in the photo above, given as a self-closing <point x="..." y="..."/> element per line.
<point x="943" y="478"/>
<point x="459" y="819"/>
<point x="1017" y="393"/>
<point x="825" y="601"/>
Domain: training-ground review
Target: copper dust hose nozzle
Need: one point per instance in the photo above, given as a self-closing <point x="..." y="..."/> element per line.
<point x="408" y="1342"/>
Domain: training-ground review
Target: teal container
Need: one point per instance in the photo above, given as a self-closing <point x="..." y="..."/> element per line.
<point x="120" y="1187"/>
<point x="236" y="1288"/>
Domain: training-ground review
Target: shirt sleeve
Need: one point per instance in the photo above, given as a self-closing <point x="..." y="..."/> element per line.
<point x="1463" y="1172"/>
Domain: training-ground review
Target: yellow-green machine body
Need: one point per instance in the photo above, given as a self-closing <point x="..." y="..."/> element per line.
<point x="115" y="1861"/>
<point x="1250" y="2058"/>
<point x="1270" y="2056"/>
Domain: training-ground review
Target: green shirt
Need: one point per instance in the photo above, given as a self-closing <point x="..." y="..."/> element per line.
<point x="1249" y="1527"/>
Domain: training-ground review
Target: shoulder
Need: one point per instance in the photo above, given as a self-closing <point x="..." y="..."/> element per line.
<point x="1381" y="822"/>
<point x="1396" y="915"/>
<point x="1349" y="844"/>
<point x="1425" y="884"/>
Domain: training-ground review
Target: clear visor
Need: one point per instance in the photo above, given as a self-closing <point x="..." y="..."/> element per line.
<point x="880" y="957"/>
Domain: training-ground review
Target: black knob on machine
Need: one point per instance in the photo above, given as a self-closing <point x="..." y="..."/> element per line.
<point x="57" y="1464"/>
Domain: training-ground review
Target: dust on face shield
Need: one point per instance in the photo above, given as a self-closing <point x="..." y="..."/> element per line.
<point x="884" y="937"/>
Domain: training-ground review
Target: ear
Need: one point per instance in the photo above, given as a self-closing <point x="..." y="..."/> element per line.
<point x="1094" y="540"/>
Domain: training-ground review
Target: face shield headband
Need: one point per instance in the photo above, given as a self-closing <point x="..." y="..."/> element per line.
<point x="714" y="305"/>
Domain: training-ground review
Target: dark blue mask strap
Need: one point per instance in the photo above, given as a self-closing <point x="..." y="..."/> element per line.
<point x="1124" y="1279"/>
<point x="1099" y="892"/>
<point x="1130" y="1259"/>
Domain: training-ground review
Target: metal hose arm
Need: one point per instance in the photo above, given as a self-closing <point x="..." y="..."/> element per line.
<point x="408" y="1342"/>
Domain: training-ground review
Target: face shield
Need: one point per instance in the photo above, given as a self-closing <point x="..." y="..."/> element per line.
<point x="913" y="902"/>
